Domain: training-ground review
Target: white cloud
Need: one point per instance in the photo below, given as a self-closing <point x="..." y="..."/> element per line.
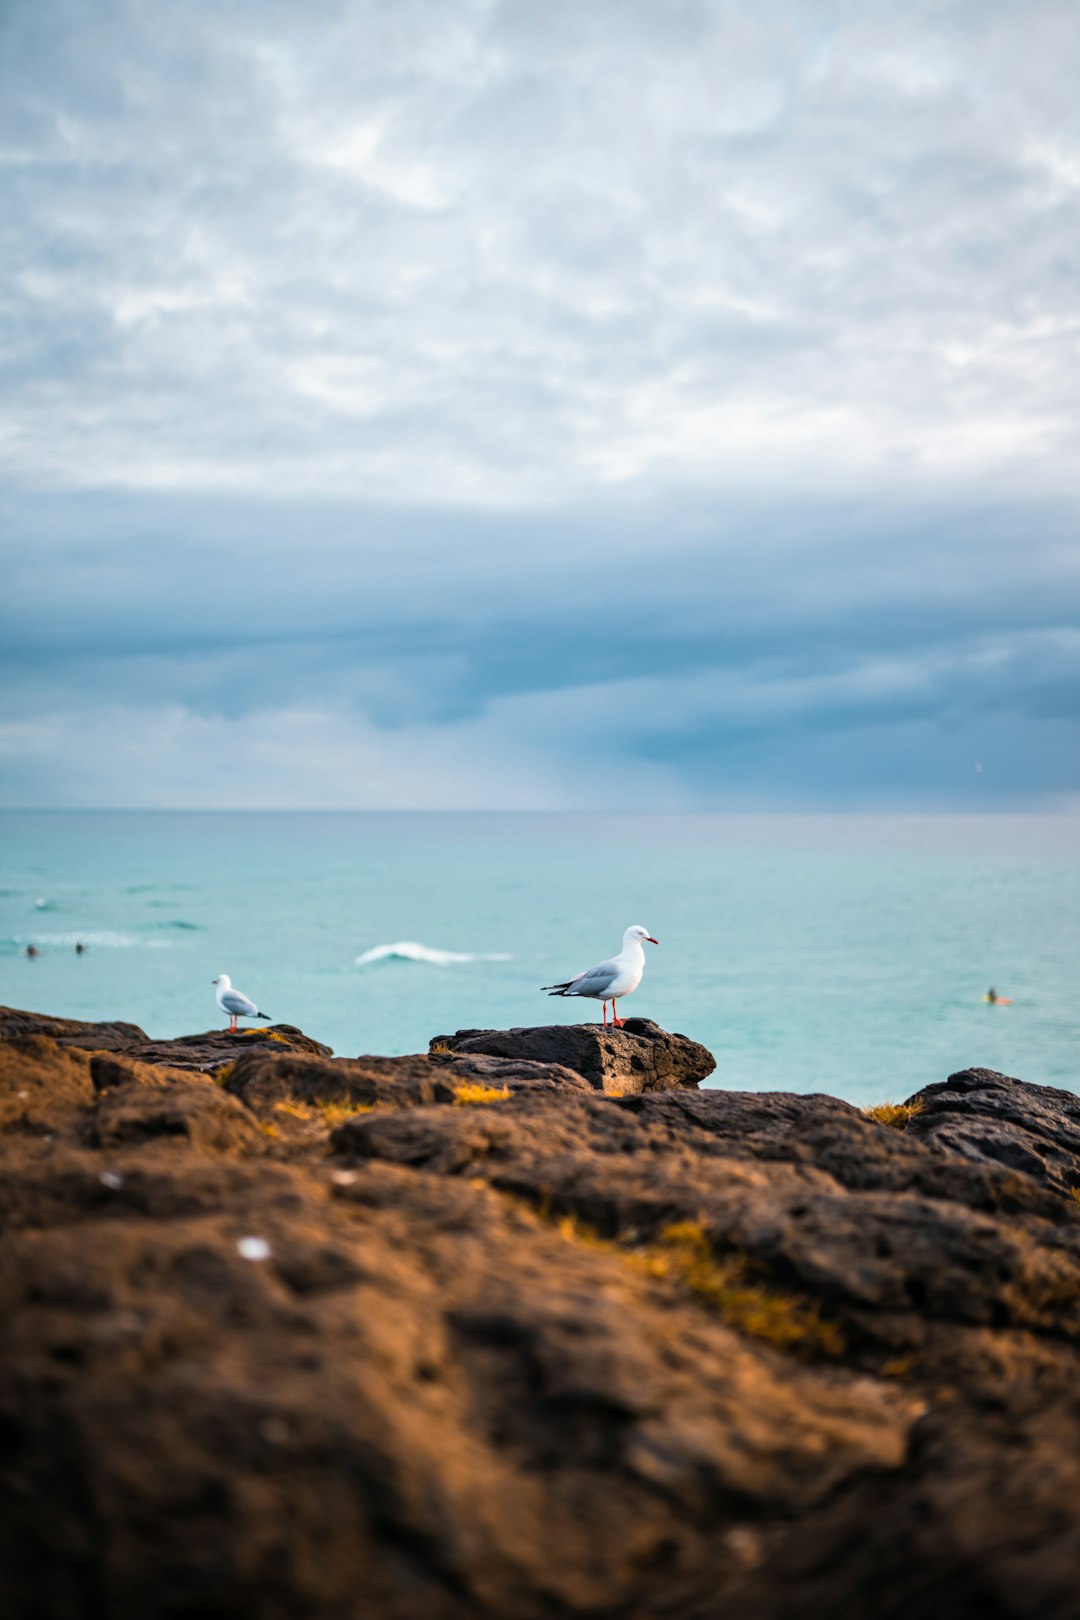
<point x="509" y="259"/>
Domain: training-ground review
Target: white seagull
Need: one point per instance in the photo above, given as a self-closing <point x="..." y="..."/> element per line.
<point x="233" y="1002"/>
<point x="608" y="980"/>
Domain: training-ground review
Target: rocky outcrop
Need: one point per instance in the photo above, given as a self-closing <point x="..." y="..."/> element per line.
<point x="214" y="1048"/>
<point x="418" y="1337"/>
<point x="103" y="1037"/>
<point x="204" y="1053"/>
<point x="993" y="1119"/>
<point x="636" y="1058"/>
<point x="264" y="1080"/>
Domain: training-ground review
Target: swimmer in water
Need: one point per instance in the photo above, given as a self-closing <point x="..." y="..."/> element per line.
<point x="32" y="950"/>
<point x="995" y="1000"/>
<point x="80" y="948"/>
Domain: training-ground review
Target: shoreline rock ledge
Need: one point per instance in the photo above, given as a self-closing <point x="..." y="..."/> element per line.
<point x="527" y="1327"/>
<point x="624" y="1062"/>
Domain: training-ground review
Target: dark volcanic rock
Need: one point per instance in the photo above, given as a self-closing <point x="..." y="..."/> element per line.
<point x="205" y="1053"/>
<point x="550" y="1354"/>
<point x="994" y="1119"/>
<point x="263" y="1079"/>
<point x="216" y="1047"/>
<point x="639" y="1057"/>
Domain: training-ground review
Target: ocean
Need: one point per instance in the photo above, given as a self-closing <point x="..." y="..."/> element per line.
<point x="846" y="954"/>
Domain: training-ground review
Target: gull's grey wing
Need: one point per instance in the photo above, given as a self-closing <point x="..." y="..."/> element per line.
<point x="595" y="980"/>
<point x="234" y="1002"/>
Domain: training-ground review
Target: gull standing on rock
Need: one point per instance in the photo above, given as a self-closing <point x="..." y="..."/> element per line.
<point x="608" y="980"/>
<point x="233" y="1002"/>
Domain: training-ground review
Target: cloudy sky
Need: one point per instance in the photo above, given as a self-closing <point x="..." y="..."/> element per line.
<point x="537" y="403"/>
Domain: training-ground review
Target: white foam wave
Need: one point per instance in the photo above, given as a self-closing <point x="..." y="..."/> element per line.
<point x="407" y="950"/>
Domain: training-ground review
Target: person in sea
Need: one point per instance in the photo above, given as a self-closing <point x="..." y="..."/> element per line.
<point x="995" y="1000"/>
<point x="32" y="950"/>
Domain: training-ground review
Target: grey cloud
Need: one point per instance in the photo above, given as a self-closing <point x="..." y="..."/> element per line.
<point x="441" y="378"/>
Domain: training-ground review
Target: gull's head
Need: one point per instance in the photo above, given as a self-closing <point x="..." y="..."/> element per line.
<point x="638" y="934"/>
<point x="224" y="981"/>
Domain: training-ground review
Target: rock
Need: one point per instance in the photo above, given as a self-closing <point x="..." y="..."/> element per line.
<point x="199" y="1114"/>
<point x="211" y="1050"/>
<point x="216" y="1048"/>
<point x="550" y="1353"/>
<point x="640" y="1057"/>
<point x="263" y="1079"/>
<point x="107" y="1037"/>
<point x="37" y="1079"/>
<point x="993" y="1119"/>
<point x="113" y="1069"/>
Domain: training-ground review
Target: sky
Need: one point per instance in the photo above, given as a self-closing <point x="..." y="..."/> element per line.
<point x="535" y="404"/>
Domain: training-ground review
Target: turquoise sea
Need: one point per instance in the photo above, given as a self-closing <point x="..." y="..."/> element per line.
<point x="846" y="954"/>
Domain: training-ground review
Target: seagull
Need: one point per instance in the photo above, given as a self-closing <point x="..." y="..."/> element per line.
<point x="608" y="980"/>
<point x="233" y="1002"/>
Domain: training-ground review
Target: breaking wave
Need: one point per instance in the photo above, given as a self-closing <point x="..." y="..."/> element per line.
<point x="407" y="950"/>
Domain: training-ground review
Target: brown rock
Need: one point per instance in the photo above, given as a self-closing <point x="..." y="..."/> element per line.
<point x="215" y="1048"/>
<point x="37" y="1079"/>
<point x="204" y="1053"/>
<point x="640" y="1057"/>
<point x="106" y="1037"/>
<point x="113" y="1069"/>
<point x="199" y="1114"/>
<point x="263" y="1079"/>
<point x="564" y="1354"/>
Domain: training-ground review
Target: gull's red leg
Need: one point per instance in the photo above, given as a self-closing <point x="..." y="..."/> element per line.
<point x="615" y="1019"/>
<point x="605" y="1015"/>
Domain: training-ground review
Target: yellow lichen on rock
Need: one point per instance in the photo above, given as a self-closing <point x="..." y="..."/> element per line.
<point x="684" y="1256"/>
<point x="468" y="1094"/>
<point x="331" y="1113"/>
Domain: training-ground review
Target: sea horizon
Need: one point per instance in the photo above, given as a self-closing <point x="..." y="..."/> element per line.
<point x="810" y="951"/>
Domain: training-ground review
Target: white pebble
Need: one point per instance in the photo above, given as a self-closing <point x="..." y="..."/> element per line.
<point x="254" y="1248"/>
<point x="113" y="1179"/>
<point x="343" y="1178"/>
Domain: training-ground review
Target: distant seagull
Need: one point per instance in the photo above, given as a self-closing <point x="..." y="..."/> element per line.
<point x="608" y="980"/>
<point x="232" y="1002"/>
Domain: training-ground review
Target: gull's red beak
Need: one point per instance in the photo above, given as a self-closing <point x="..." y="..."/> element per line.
<point x="651" y="940"/>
